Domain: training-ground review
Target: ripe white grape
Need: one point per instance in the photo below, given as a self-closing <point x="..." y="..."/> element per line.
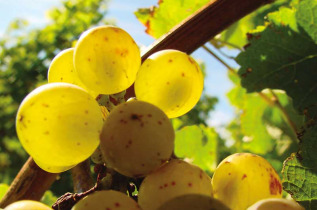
<point x="193" y="202"/>
<point x="107" y="59"/>
<point x="106" y="200"/>
<point x="242" y="179"/>
<point x="171" y="180"/>
<point x="171" y="80"/>
<point x="59" y="124"/>
<point x="137" y="138"/>
<point x="276" y="203"/>
<point x="27" y="205"/>
<point x="62" y="70"/>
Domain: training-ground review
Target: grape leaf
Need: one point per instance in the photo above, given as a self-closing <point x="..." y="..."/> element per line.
<point x="263" y="125"/>
<point x="306" y="17"/>
<point x="199" y="145"/>
<point x="301" y="182"/>
<point x="282" y="56"/>
<point x="162" y="18"/>
<point x="3" y="190"/>
<point x="236" y="34"/>
<point x="48" y="198"/>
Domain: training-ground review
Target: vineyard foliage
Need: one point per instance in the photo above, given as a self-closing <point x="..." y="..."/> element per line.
<point x="274" y="90"/>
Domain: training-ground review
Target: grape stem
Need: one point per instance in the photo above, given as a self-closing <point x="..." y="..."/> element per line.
<point x="30" y="183"/>
<point x="218" y="58"/>
<point x="82" y="180"/>
<point x="188" y="36"/>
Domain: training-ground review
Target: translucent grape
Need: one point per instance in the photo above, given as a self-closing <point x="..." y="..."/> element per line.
<point x="106" y="200"/>
<point x="193" y="202"/>
<point x="107" y="59"/>
<point x="173" y="179"/>
<point x="243" y="178"/>
<point x="27" y="204"/>
<point x="171" y="80"/>
<point x="275" y="203"/>
<point x="59" y="124"/>
<point x="137" y="138"/>
<point x="62" y="70"/>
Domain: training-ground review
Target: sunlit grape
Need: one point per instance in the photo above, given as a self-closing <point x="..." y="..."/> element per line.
<point x="106" y="200"/>
<point x="137" y="138"/>
<point x="243" y="178"/>
<point x="107" y="59"/>
<point x="62" y="70"/>
<point x="27" y="205"/>
<point x="59" y="124"/>
<point x="275" y="203"/>
<point x="171" y="80"/>
<point x="173" y="179"/>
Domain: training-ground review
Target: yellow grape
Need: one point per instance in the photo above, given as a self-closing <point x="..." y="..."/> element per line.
<point x="137" y="138"/>
<point x="242" y="179"/>
<point x="193" y="202"/>
<point x="276" y="203"/>
<point x="171" y="180"/>
<point x="27" y="205"/>
<point x="62" y="70"/>
<point x="171" y="80"/>
<point x="106" y="200"/>
<point x="59" y="124"/>
<point x="107" y="59"/>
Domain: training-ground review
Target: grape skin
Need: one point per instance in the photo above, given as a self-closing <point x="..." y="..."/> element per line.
<point x="107" y="59"/>
<point x="193" y="202"/>
<point x="62" y="70"/>
<point x="106" y="200"/>
<point x="276" y="203"/>
<point x="242" y="179"/>
<point x="171" y="180"/>
<point x="137" y="138"/>
<point x="59" y="124"/>
<point x="171" y="80"/>
<point x="27" y="204"/>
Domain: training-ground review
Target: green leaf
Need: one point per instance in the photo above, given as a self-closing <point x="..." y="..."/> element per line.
<point x="301" y="182"/>
<point x="282" y="57"/>
<point x="307" y="17"/>
<point x="162" y="18"/>
<point x="199" y="145"/>
<point x="48" y="198"/>
<point x="236" y="34"/>
<point x="3" y="190"/>
<point x="257" y="139"/>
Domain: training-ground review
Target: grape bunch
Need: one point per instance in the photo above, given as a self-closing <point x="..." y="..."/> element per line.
<point x="82" y="113"/>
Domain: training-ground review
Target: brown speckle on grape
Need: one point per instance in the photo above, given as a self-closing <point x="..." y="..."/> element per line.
<point x="244" y="176"/>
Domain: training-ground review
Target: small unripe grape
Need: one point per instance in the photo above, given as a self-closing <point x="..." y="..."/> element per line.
<point x="59" y="124"/>
<point x="171" y="180"/>
<point x="193" y="202"/>
<point x="107" y="59"/>
<point x="243" y="178"/>
<point x="106" y="200"/>
<point x="171" y="80"/>
<point x="137" y="138"/>
<point x="27" y="205"/>
<point x="276" y="203"/>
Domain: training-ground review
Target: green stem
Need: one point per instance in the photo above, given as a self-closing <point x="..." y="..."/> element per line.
<point x="219" y="59"/>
